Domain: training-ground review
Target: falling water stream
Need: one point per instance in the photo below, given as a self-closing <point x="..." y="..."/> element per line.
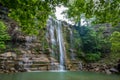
<point x="51" y="39"/>
<point x="61" y="45"/>
<point x="55" y="39"/>
<point x="26" y="58"/>
<point x="72" y="55"/>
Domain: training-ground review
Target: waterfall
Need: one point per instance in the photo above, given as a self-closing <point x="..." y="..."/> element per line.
<point x="26" y="62"/>
<point x="55" y="38"/>
<point x="61" y="45"/>
<point x="51" y="39"/>
<point x="72" y="55"/>
<point x="26" y="57"/>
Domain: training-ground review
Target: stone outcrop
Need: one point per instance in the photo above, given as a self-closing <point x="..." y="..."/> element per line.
<point x="104" y="68"/>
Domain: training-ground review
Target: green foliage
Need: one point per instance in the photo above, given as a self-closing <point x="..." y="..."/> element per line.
<point x="92" y="57"/>
<point x="115" y="40"/>
<point x="116" y="28"/>
<point x="103" y="40"/>
<point x="115" y="48"/>
<point x="31" y="14"/>
<point x="105" y="11"/>
<point x="3" y="35"/>
<point x="92" y="44"/>
<point x="90" y="40"/>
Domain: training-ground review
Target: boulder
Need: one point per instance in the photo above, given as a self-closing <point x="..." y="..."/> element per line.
<point x="113" y="70"/>
<point x="108" y="72"/>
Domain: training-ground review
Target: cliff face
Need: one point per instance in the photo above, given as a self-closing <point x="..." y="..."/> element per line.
<point x="22" y="47"/>
<point x="22" y="50"/>
<point x="106" y="29"/>
<point x="31" y="48"/>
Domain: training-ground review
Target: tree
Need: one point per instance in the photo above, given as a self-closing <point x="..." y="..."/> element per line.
<point x="89" y="39"/>
<point x="115" y="41"/>
<point x="104" y="11"/>
<point x="90" y="43"/>
<point x="30" y="14"/>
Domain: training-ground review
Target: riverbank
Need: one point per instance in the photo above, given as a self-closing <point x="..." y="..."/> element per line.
<point x="90" y="67"/>
<point x="102" y="68"/>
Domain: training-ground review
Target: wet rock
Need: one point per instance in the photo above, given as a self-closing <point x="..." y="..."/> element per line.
<point x="97" y="69"/>
<point x="108" y="72"/>
<point x="16" y="66"/>
<point x="113" y="70"/>
<point x="8" y="54"/>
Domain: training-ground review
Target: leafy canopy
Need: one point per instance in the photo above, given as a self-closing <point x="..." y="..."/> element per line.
<point x="104" y="11"/>
<point x="115" y="48"/>
<point x="31" y="14"/>
<point x="115" y="40"/>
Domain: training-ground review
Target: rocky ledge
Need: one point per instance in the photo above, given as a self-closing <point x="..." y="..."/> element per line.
<point x="104" y="68"/>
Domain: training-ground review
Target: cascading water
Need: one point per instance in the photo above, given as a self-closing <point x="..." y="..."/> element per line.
<point x="26" y="60"/>
<point x="55" y="39"/>
<point x="51" y="39"/>
<point x="71" y="44"/>
<point x="61" y="45"/>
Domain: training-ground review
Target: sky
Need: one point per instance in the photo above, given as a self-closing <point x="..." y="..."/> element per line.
<point x="59" y="14"/>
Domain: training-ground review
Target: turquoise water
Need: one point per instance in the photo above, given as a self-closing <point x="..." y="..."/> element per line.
<point x="58" y="76"/>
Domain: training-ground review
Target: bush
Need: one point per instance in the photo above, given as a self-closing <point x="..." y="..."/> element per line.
<point x="3" y="35"/>
<point x="115" y="48"/>
<point x="115" y="40"/>
<point x="92" y="57"/>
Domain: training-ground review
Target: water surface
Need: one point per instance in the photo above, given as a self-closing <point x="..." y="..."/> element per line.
<point x="58" y="76"/>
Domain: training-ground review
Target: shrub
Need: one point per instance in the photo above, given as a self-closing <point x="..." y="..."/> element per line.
<point x="3" y="35"/>
<point x="92" y="57"/>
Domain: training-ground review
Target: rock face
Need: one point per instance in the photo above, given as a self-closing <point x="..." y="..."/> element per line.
<point x="74" y="65"/>
<point x="8" y="54"/>
<point x="24" y="63"/>
<point x="39" y="55"/>
<point x="114" y="70"/>
<point x="107" y="29"/>
<point x="104" y="68"/>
